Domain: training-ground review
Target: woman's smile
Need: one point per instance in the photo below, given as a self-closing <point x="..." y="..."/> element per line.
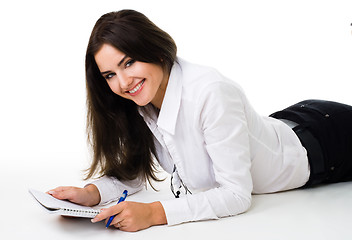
<point x="137" y="89"/>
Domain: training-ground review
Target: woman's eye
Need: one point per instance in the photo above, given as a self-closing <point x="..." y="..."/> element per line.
<point x="129" y="63"/>
<point x="108" y="76"/>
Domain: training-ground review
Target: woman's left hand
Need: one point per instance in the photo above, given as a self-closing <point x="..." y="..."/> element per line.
<point x="133" y="216"/>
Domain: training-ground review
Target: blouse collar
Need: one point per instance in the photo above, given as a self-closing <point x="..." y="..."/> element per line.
<point x="171" y="103"/>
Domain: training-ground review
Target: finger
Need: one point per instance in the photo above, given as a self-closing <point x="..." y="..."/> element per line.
<point x="99" y="217"/>
<point x="51" y="191"/>
<point x="107" y="213"/>
<point x="58" y="190"/>
<point x="118" y="225"/>
<point x="113" y="221"/>
<point x="116" y="221"/>
<point x="68" y="193"/>
<point x="123" y="228"/>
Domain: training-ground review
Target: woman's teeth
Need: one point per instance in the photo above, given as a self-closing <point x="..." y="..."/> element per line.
<point x="137" y="87"/>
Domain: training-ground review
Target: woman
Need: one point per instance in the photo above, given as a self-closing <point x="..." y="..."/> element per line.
<point x="143" y="102"/>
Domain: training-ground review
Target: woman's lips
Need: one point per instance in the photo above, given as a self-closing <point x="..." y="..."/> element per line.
<point x="136" y="89"/>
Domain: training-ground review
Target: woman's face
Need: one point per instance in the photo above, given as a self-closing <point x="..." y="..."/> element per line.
<point x="140" y="82"/>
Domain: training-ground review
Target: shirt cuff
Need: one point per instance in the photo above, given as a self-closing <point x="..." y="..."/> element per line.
<point x="176" y="210"/>
<point x="111" y="189"/>
<point x="107" y="190"/>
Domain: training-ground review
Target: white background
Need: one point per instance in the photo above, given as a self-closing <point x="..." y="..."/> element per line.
<point x="280" y="52"/>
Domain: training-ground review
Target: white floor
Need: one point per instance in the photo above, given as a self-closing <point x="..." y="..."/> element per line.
<point x="319" y="213"/>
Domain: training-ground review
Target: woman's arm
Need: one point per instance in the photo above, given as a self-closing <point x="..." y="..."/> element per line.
<point x="102" y="191"/>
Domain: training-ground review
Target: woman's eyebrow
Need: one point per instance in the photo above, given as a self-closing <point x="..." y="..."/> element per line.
<point x="102" y="73"/>
<point x="119" y="64"/>
<point x="122" y="60"/>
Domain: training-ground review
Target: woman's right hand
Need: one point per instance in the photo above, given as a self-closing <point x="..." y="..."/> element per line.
<point x="87" y="196"/>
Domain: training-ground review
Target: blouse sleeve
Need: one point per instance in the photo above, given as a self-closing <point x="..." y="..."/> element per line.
<point x="226" y="138"/>
<point x="111" y="189"/>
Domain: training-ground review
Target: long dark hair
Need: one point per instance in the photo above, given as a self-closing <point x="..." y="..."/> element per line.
<point x="122" y="143"/>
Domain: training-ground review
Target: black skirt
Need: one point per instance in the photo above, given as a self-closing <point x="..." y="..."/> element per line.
<point x="325" y="130"/>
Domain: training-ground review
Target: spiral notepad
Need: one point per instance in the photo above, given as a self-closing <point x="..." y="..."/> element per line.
<point x="61" y="207"/>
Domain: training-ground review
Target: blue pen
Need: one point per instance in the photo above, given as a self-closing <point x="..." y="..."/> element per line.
<point x="120" y="200"/>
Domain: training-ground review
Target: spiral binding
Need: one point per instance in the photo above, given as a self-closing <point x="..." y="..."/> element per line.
<point x="79" y="212"/>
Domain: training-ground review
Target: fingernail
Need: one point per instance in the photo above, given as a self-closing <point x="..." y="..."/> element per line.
<point x="51" y="192"/>
<point x="93" y="220"/>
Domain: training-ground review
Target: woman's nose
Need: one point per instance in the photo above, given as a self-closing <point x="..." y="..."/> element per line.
<point x="125" y="82"/>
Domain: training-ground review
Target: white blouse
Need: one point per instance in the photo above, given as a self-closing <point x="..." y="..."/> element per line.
<point x="221" y="149"/>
